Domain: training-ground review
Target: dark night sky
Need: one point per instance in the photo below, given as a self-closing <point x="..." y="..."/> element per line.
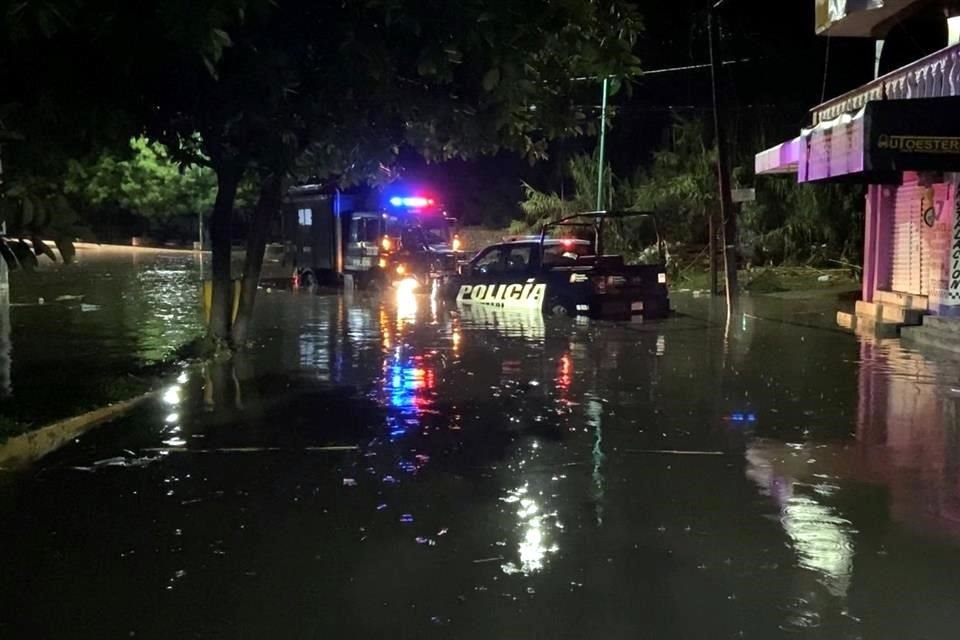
<point x="768" y="97"/>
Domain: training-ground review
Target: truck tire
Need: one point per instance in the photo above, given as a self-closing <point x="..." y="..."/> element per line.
<point x="557" y="308"/>
<point x="374" y="285"/>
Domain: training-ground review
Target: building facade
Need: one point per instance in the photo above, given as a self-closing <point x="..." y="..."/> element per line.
<point x="900" y="135"/>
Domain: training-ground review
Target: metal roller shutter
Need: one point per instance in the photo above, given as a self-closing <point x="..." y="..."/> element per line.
<point x="907" y="259"/>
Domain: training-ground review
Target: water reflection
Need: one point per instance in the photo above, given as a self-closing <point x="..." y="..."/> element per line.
<point x="821" y="538"/>
<point x="534" y="529"/>
<point x="525" y="324"/>
<point x="5" y="388"/>
<point x="408" y="304"/>
<point x="906" y="446"/>
<point x="409" y="383"/>
<point x="109" y="315"/>
<point x="498" y="464"/>
<point x="908" y="433"/>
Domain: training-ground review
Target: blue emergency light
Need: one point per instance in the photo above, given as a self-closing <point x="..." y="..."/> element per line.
<point x="411" y="202"/>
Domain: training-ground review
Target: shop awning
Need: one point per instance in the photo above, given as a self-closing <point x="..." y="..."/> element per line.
<point x="873" y="145"/>
<point x="782" y="158"/>
<point x="882" y="140"/>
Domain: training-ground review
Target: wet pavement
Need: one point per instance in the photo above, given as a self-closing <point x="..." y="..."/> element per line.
<point x="400" y="469"/>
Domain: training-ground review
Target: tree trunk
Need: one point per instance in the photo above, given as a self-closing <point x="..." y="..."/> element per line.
<point x="268" y="205"/>
<point x="220" y="231"/>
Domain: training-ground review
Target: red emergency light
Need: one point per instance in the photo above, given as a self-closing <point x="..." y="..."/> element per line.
<point x="412" y="202"/>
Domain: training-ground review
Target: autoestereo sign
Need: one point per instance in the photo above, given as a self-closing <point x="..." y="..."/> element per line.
<point x="504" y="295"/>
<point x="920" y="134"/>
<point x="919" y="144"/>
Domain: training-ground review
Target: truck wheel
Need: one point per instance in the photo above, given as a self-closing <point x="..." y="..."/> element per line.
<point x="374" y="285"/>
<point x="558" y="309"/>
<point x="307" y="279"/>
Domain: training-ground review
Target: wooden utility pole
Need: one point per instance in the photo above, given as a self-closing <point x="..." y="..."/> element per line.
<point x="727" y="213"/>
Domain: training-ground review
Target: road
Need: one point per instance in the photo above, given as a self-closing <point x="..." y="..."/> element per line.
<point x="396" y="468"/>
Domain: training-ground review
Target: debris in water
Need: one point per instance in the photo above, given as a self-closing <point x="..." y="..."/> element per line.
<point x="675" y="452"/>
<point x="381" y="507"/>
<point x="177" y="575"/>
<point x="119" y="461"/>
<point x="89" y="307"/>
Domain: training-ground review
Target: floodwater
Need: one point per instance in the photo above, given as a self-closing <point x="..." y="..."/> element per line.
<point x="396" y="468"/>
<point x="76" y="333"/>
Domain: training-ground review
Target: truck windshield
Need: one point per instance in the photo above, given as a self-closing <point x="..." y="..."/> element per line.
<point x="426" y="230"/>
<point x="365" y="230"/>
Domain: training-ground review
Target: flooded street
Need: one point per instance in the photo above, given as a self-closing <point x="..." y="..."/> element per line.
<point x="400" y="468"/>
<point x="79" y="333"/>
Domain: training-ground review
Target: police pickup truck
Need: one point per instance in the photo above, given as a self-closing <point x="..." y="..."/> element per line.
<point x="567" y="275"/>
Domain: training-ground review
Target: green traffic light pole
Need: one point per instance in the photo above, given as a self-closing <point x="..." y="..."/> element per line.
<point x="603" y="142"/>
<point x="603" y="111"/>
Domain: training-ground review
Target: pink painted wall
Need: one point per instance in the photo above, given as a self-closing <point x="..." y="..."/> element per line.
<point x="878" y="238"/>
<point x="937" y="241"/>
<point x="870" y="245"/>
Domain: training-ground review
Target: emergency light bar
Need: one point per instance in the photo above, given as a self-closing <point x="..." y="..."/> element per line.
<point x="413" y="202"/>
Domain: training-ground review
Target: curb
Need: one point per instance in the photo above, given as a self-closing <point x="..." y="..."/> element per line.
<point x="20" y="451"/>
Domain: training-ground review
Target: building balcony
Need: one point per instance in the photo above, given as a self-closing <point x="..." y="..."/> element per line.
<point x="935" y="76"/>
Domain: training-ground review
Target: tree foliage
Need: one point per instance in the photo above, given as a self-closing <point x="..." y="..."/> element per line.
<point x="680" y="186"/>
<point x="146" y="181"/>
<point x="788" y="221"/>
<point x="37" y="211"/>
<point x="333" y="90"/>
<point x="539" y="207"/>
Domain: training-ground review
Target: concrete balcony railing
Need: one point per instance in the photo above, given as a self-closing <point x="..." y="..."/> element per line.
<point x="935" y="76"/>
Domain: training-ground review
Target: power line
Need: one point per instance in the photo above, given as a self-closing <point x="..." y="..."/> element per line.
<point x="654" y="72"/>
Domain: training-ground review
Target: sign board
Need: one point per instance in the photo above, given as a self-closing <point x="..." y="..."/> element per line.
<point x="829" y="12"/>
<point x="913" y="135"/>
<point x="743" y="195"/>
<point x="876" y="144"/>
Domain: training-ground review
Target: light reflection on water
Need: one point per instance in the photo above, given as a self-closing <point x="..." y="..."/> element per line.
<point x="724" y="464"/>
<point x="821" y="538"/>
<point x="533" y="530"/>
<point x="108" y="315"/>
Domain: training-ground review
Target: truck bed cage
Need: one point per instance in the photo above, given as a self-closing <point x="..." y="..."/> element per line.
<point x="595" y="220"/>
